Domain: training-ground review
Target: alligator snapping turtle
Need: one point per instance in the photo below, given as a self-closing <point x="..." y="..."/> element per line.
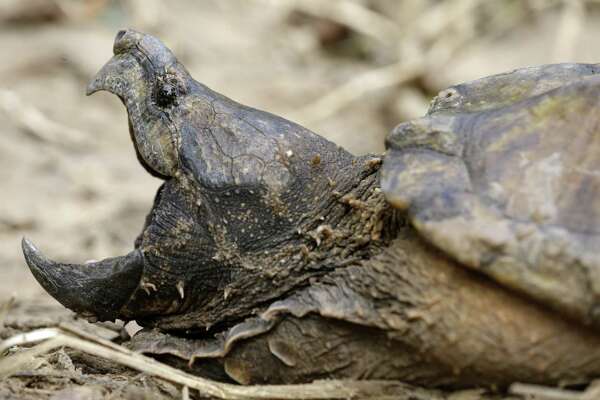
<point x="276" y="256"/>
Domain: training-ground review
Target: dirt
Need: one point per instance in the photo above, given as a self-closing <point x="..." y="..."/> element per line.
<point x="69" y="178"/>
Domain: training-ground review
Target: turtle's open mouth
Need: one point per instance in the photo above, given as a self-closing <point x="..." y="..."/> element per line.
<point x="101" y="290"/>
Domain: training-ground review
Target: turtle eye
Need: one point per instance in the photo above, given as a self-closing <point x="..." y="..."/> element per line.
<point x="166" y="95"/>
<point x="167" y="91"/>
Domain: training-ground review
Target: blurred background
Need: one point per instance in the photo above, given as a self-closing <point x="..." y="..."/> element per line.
<point x="349" y="70"/>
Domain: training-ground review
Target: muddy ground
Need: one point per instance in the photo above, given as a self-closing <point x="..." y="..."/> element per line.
<point x="69" y="179"/>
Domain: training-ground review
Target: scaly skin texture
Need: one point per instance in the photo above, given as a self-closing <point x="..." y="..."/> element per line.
<point x="226" y="274"/>
<point x="274" y="253"/>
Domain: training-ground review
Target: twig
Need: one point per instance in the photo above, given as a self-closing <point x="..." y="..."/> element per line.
<point x="546" y="393"/>
<point x="413" y="63"/>
<point x="28" y="337"/>
<point x="352" y="14"/>
<point x="436" y="20"/>
<point x="11" y="365"/>
<point x="35" y="123"/>
<point x="4" y="309"/>
<point x="185" y="393"/>
<point x="569" y="29"/>
<point x="592" y="392"/>
<point x="370" y="81"/>
<point x="333" y="389"/>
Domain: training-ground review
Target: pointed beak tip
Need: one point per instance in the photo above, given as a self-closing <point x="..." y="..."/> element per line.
<point x="26" y="243"/>
<point x="29" y="250"/>
<point x="38" y="264"/>
<point x="91" y="88"/>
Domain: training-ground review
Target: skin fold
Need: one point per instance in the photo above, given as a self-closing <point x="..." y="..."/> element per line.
<point x="272" y="255"/>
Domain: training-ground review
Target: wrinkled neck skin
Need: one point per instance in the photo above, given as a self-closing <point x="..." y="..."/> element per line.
<point x="207" y="239"/>
<point x="213" y="257"/>
<point x="258" y="207"/>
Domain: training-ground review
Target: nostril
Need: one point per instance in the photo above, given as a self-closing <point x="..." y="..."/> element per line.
<point x="120" y="35"/>
<point x="125" y="39"/>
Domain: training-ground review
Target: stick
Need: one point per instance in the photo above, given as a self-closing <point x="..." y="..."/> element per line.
<point x="353" y="15"/>
<point x="36" y="124"/>
<point x="334" y="389"/>
<point x="545" y="393"/>
<point x="413" y="63"/>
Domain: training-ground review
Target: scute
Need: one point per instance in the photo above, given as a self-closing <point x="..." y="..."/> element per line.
<point x="520" y="199"/>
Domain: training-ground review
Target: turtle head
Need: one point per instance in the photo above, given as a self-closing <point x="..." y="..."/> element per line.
<point x="150" y="81"/>
<point x="240" y="184"/>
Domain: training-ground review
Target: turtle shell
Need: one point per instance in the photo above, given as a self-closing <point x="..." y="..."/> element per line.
<point x="503" y="175"/>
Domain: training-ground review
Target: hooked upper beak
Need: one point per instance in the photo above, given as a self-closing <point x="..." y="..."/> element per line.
<point x="116" y="75"/>
<point x="131" y="74"/>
